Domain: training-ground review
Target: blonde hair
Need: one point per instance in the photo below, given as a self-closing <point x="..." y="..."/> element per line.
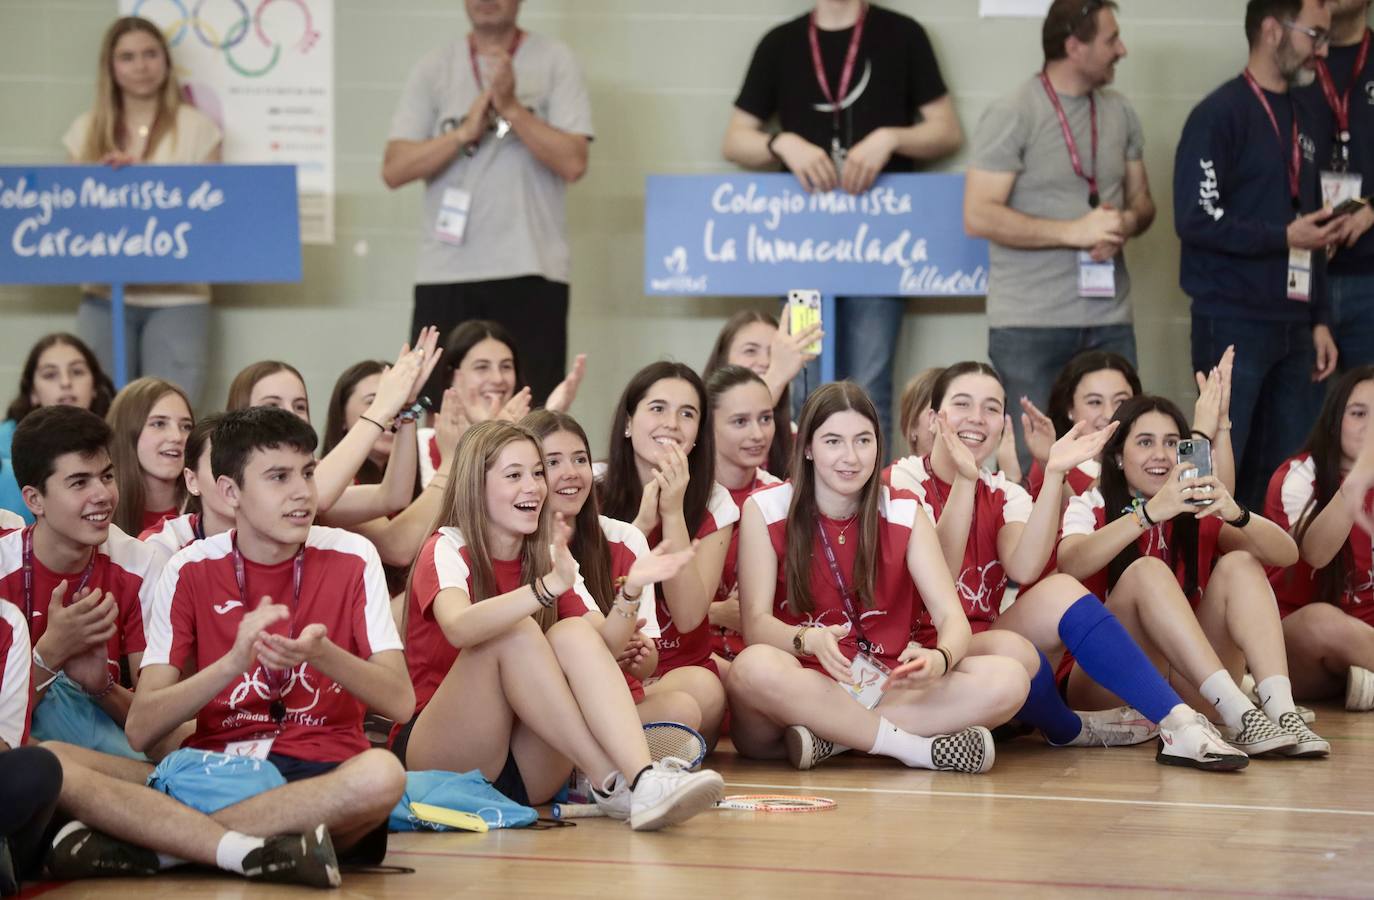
<point x="126" y="418"/>
<point x="105" y="132"/>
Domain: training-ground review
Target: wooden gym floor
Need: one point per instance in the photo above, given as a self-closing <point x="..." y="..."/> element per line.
<point x="1044" y="822"/>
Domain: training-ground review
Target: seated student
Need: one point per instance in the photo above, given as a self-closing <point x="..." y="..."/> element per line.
<point x="617" y="568"/>
<point x="1186" y="580"/>
<point x="742" y="416"/>
<point x="803" y="586"/>
<point x="1327" y="598"/>
<point x="82" y="584"/>
<point x="60" y="370"/>
<point x="206" y="513"/>
<point x="991" y="531"/>
<point x="660" y="476"/>
<point x="149" y="421"/>
<point x="501" y="685"/>
<point x="752" y="339"/>
<point x="283" y="671"/>
<point x="278" y="384"/>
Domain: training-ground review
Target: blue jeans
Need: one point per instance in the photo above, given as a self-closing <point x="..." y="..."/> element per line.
<point x="1029" y="359"/>
<point x="1273" y="399"/>
<point x="1352" y="319"/>
<point x="865" y="343"/>
<point x="169" y="342"/>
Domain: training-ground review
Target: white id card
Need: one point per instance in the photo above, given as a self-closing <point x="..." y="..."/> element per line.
<point x="1338" y="187"/>
<point x="869" y="677"/>
<point x="453" y="216"/>
<point x="1096" y="279"/>
<point x="257" y="749"/>
<point x="1300" y="275"/>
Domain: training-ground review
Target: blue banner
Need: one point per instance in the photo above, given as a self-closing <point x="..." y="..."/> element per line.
<point x="762" y="235"/>
<point x="148" y="224"/>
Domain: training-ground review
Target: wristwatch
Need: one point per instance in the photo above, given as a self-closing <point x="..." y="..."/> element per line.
<point x="799" y="640"/>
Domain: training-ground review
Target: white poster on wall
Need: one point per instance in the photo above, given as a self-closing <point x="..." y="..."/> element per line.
<point x="1026" y="9"/>
<point x="264" y="71"/>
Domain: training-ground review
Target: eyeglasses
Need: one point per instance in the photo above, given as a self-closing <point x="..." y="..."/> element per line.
<point x="1319" y="36"/>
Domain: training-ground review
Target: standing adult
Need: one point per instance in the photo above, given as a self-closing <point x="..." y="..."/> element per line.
<point x="1342" y="100"/>
<point x="856" y="91"/>
<point x="1248" y="209"/>
<point x="1057" y="185"/>
<point x="139" y="117"/>
<point x="496" y="124"/>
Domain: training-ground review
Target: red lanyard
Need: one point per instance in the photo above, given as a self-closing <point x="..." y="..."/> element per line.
<point x="850" y="56"/>
<point x="843" y="588"/>
<point x="1295" y="160"/>
<point x="472" y="55"/>
<point x="28" y="575"/>
<point x="1094" y="198"/>
<point x="1340" y="105"/>
<point x="278" y="685"/>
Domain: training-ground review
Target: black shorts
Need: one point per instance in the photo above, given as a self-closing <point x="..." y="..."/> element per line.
<point x="509" y="782"/>
<point x="370" y="849"/>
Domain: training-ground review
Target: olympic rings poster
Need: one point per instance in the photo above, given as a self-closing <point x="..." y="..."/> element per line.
<point x="263" y="70"/>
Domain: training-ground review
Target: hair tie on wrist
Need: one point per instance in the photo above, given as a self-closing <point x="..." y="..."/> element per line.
<point x="373" y="421"/>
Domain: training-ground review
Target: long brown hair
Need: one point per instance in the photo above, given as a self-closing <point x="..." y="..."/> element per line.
<point x="241" y="388"/>
<point x="802" y="515"/>
<point x="104" y="391"/>
<point x="589" y="545"/>
<point x="106" y="131"/>
<point x="780" y="452"/>
<point x="334" y="425"/>
<point x="127" y="416"/>
<point x="465" y="508"/>
<point x="915" y="398"/>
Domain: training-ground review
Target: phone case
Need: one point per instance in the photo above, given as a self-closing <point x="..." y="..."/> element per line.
<point x="803" y="311"/>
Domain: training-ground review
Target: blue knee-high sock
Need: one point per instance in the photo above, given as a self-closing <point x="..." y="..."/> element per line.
<point x="1106" y="652"/>
<point x="1046" y="710"/>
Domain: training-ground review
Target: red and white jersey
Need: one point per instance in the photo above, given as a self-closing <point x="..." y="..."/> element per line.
<point x="1289" y="498"/>
<point x="729" y="576"/>
<point x="125" y="567"/>
<point x="1086" y="513"/>
<point x="171" y="535"/>
<point x="982" y="582"/>
<point x="10" y="521"/>
<point x="429" y="455"/>
<point x="627" y="545"/>
<point x="694" y="648"/>
<point x="14" y="675"/>
<point x="445" y="562"/>
<point x="1080" y="479"/>
<point x="196" y="616"/>
<point x="889" y="625"/>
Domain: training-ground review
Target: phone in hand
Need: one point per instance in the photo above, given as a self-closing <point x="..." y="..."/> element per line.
<point x="1196" y="455"/>
<point x="1345" y="208"/>
<point x="803" y="311"/>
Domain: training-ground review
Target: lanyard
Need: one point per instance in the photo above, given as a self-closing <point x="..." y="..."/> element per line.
<point x="472" y="55"/>
<point x="1094" y="198"/>
<point x="1340" y="104"/>
<point x="846" y="73"/>
<point x="28" y="574"/>
<point x="843" y="588"/>
<point x="278" y="707"/>
<point x="1295" y="160"/>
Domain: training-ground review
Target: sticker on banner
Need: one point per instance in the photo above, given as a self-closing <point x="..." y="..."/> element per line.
<point x="1300" y="275"/>
<point x="453" y="216"/>
<point x="1096" y="279"/>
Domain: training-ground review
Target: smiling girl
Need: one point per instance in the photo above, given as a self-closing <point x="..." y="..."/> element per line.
<point x="150" y="420"/>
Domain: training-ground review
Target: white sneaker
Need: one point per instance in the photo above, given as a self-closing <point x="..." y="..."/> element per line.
<point x="1123" y="726"/>
<point x="668" y="794"/>
<point x="805" y="750"/>
<point x="614" y="803"/>
<point x="970" y="750"/>
<point x="1309" y="743"/>
<point x="1196" y="744"/>
<point x="1259" y="734"/>
<point x="1359" y="689"/>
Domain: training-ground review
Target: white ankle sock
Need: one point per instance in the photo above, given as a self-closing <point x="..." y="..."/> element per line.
<point x="911" y="749"/>
<point x="1221" y="691"/>
<point x="1178" y="717"/>
<point x="233" y="848"/>
<point x="1276" y="696"/>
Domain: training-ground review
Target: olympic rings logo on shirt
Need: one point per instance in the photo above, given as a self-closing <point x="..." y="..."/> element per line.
<point x="193" y="21"/>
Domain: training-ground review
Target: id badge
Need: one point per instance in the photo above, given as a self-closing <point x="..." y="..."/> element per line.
<point x="1096" y="280"/>
<point x="452" y="222"/>
<point x="1300" y="275"/>
<point x="256" y="749"/>
<point x="1338" y="187"/>
<point x="869" y="676"/>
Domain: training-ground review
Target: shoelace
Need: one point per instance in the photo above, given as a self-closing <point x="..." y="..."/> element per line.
<point x="675" y="763"/>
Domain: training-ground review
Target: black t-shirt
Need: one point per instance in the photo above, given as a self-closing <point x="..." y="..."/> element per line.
<point x="895" y="74"/>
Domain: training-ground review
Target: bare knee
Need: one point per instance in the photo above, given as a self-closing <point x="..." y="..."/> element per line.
<point x="999" y="642"/>
<point x="1148" y="571"/>
<point x="757" y="673"/>
<point x="376" y="779"/>
<point x="1003" y="683"/>
<point x="570" y="634"/>
<point x="677" y="706"/>
<point x="1321" y="626"/>
<point x="1237" y="564"/>
<point x="1061" y="589"/>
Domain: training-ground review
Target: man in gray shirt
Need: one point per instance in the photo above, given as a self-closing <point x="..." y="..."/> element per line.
<point x="496" y="124"/>
<point x="1057" y="185"/>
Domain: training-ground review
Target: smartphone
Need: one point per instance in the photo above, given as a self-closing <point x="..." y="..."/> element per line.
<point x="1196" y="454"/>
<point x="1354" y="204"/>
<point x="803" y="311"/>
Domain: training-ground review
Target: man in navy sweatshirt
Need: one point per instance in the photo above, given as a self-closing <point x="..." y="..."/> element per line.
<point x="1247" y="206"/>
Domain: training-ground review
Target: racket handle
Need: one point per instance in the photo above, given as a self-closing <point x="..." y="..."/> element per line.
<point x="576" y="811"/>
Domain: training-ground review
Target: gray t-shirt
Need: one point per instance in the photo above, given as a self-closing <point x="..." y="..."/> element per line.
<point x="1021" y="133"/>
<point x="516" y="223"/>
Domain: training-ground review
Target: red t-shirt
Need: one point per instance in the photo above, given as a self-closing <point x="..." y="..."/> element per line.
<point x="889" y="625"/>
<point x="171" y="535"/>
<point x="1080" y="479"/>
<point x="675" y="649"/>
<point x="15" y="654"/>
<point x="1291" y="492"/>
<point x="982" y="582"/>
<point x="153" y="519"/>
<point x="125" y="567"/>
<point x="729" y="643"/>
<point x="196" y="616"/>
